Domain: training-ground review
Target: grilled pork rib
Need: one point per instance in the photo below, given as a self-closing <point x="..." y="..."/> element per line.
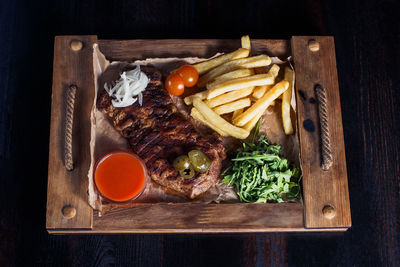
<point x="158" y="133"/>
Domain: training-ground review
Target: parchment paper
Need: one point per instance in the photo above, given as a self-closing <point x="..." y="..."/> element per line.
<point x="104" y="138"/>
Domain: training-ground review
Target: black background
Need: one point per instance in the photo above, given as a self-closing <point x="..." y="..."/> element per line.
<point x="367" y="46"/>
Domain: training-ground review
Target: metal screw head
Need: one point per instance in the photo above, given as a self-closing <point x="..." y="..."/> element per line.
<point x="313" y="45"/>
<point x="76" y="45"/>
<point x="68" y="212"/>
<point x="329" y="212"/>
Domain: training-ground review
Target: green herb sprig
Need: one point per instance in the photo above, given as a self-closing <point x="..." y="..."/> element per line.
<point x="259" y="174"/>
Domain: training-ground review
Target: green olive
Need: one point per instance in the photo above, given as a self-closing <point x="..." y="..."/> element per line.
<point x="199" y="161"/>
<point x="187" y="173"/>
<point x="181" y="163"/>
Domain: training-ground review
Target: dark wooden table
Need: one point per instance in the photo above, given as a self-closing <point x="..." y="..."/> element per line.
<point x="367" y="47"/>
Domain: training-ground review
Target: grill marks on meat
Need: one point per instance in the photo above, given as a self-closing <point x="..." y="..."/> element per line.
<point x="158" y="133"/>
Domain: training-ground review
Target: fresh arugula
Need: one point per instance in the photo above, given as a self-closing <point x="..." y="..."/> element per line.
<point x="259" y="174"/>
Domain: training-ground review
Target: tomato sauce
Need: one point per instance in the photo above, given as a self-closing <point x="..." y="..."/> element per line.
<point x="120" y="176"/>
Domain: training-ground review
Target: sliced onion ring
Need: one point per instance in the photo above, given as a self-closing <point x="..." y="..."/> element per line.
<point x="128" y="89"/>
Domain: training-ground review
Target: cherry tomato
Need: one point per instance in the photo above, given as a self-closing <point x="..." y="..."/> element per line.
<point x="174" y="84"/>
<point x="189" y="75"/>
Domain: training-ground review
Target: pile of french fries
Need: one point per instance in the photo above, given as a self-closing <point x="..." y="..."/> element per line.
<point x="238" y="83"/>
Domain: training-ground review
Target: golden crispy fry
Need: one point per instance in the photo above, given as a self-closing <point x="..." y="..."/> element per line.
<point x="274" y="70"/>
<point x="189" y="99"/>
<point x="219" y="122"/>
<point x="286" y="97"/>
<point x="229" y="97"/>
<point x="197" y="115"/>
<point x="250" y="125"/>
<point x="250" y="62"/>
<point x="272" y="103"/>
<point x="278" y="79"/>
<point x="237" y="113"/>
<point x="235" y="74"/>
<point x="259" y="91"/>
<point x="262" y="103"/>
<point x="246" y="42"/>
<point x="205" y="66"/>
<point x="230" y="107"/>
<point x="218" y="88"/>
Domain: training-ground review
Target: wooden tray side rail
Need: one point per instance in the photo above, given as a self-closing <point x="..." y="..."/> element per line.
<point x="68" y="189"/>
<point x="319" y="118"/>
<point x="67" y="205"/>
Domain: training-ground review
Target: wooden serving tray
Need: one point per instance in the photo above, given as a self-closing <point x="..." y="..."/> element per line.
<point x="325" y="205"/>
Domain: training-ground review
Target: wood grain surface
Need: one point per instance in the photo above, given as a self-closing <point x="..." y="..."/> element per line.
<point x="311" y="68"/>
<point x="68" y="188"/>
<point x="128" y="50"/>
<point x="366" y="42"/>
<point x="195" y="218"/>
<point x="149" y="218"/>
<point x="321" y="188"/>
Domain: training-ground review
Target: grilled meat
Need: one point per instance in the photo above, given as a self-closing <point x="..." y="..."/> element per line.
<point x="158" y="133"/>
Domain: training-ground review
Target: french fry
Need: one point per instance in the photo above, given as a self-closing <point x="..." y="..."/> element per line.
<point x="230" y="107"/>
<point x="197" y="115"/>
<point x="219" y="122"/>
<point x="250" y="62"/>
<point x="274" y="70"/>
<point x="203" y="95"/>
<point x="218" y="88"/>
<point x="246" y="42"/>
<point x="205" y="66"/>
<point x="237" y="113"/>
<point x="286" y="97"/>
<point x="229" y="97"/>
<point x="259" y="91"/>
<point x="270" y="105"/>
<point x="189" y="99"/>
<point x="261" y="104"/>
<point x="250" y="125"/>
<point x="235" y="74"/>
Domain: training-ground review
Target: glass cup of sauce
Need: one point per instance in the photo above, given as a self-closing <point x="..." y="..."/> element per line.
<point x="120" y="176"/>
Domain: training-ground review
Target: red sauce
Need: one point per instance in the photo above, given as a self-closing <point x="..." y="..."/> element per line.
<point x="120" y="176"/>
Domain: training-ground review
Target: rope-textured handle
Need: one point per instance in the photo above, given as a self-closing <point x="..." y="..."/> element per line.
<point x="327" y="158"/>
<point x="69" y="119"/>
